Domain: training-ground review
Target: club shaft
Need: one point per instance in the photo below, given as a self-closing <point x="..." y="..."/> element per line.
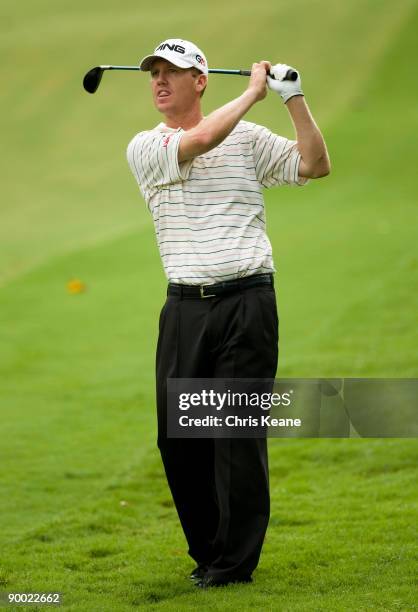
<point x="211" y="70"/>
<point x="120" y="67"/>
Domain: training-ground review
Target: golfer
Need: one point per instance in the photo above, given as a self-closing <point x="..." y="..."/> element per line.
<point x="202" y="180"/>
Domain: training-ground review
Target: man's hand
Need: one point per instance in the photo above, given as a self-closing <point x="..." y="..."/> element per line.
<point x="285" y="89"/>
<point x="258" y="80"/>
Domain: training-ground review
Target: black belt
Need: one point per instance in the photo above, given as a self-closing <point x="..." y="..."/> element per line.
<point x="218" y="289"/>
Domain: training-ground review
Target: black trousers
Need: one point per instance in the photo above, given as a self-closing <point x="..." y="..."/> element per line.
<point x="220" y="487"/>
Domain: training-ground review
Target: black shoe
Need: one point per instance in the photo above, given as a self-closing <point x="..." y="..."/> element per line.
<point x="198" y="573"/>
<point x="214" y="581"/>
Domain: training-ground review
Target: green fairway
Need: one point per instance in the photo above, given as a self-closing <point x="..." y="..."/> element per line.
<point x="85" y="508"/>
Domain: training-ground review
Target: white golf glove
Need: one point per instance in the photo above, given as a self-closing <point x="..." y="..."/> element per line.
<point x="286" y="89"/>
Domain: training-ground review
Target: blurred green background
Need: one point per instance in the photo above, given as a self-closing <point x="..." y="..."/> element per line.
<point x="77" y="371"/>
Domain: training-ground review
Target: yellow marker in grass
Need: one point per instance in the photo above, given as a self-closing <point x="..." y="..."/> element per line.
<point x="76" y="286"/>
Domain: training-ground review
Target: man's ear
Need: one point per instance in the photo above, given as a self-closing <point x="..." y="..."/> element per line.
<point x="201" y="82"/>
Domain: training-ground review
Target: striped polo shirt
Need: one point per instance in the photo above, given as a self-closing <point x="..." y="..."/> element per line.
<point x="208" y="212"/>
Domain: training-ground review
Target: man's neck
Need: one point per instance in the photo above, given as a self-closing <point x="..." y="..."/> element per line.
<point x="186" y="121"/>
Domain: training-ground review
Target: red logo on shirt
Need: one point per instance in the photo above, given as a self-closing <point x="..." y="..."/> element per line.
<point x="166" y="140"/>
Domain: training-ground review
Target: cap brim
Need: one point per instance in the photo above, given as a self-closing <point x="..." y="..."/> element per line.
<point x="147" y="61"/>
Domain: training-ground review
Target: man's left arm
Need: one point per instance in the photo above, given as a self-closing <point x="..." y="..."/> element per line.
<point x="314" y="161"/>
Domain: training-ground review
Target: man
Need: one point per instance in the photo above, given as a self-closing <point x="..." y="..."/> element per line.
<point x="202" y="179"/>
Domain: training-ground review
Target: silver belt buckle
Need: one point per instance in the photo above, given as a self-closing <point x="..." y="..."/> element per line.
<point x="202" y="294"/>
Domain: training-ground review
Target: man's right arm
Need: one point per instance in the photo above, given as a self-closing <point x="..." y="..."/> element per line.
<point x="214" y="128"/>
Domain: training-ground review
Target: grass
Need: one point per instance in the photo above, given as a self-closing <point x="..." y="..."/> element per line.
<point x="118" y="545"/>
<point x="77" y="371"/>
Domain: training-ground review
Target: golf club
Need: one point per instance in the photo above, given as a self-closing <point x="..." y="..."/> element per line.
<point x="93" y="77"/>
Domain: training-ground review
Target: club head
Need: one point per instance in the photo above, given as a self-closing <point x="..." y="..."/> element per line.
<point x="92" y="79"/>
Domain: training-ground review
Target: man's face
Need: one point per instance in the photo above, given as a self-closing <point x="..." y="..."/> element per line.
<point x="175" y="90"/>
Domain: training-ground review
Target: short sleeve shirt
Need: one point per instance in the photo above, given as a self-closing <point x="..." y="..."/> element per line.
<point x="208" y="212"/>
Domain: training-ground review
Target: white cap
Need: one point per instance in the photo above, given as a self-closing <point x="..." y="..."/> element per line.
<point x="181" y="53"/>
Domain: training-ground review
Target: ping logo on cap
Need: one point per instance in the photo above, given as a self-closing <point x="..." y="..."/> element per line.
<point x="180" y="52"/>
<point x="177" y="48"/>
